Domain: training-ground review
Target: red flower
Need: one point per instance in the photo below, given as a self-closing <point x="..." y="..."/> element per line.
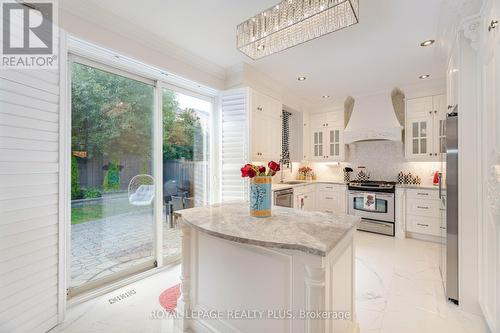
<point x="274" y="166"/>
<point x="252" y="173"/>
<point x="245" y="171"/>
<point x="262" y="169"/>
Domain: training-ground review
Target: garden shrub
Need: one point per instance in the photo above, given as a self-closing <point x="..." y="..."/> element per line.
<point x="91" y="193"/>
<point x="112" y="177"/>
<point x="76" y="192"/>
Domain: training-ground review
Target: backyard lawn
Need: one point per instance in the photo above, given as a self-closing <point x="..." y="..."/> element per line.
<point x="98" y="211"/>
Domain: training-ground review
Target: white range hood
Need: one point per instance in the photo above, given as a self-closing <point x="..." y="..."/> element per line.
<point x="373" y="119"/>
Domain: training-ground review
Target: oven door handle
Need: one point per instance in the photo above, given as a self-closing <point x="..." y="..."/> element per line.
<point x="377" y="194"/>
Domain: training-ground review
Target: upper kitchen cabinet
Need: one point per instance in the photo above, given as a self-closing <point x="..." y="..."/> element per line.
<point x="265" y="130"/>
<point x="425" y="128"/>
<point x="326" y="137"/>
<point x="306" y="137"/>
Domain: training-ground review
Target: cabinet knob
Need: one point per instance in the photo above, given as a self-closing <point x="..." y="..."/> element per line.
<point x="435" y="154"/>
<point x="430" y="154"/>
<point x="430" y="112"/>
<point x="436" y="111"/>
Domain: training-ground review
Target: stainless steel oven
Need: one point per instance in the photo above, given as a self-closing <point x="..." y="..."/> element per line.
<point x="283" y="198"/>
<point x="381" y="218"/>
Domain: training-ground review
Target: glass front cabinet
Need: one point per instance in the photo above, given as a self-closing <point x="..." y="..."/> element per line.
<point x="425" y="128"/>
<point x="326" y="137"/>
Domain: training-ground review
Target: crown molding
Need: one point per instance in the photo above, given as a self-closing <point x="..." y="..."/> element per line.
<point x="472" y="32"/>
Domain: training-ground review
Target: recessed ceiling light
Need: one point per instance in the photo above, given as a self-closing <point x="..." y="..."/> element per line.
<point x="261" y="47"/>
<point x="427" y="43"/>
<point x="421" y="77"/>
<point x="301" y="78"/>
<point x="325" y="96"/>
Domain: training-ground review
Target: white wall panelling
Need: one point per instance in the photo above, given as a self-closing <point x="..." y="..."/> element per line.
<point x="234" y="105"/>
<point x="30" y="239"/>
<point x="488" y="163"/>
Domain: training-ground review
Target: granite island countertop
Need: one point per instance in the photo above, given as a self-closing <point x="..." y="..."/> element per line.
<point x="310" y="232"/>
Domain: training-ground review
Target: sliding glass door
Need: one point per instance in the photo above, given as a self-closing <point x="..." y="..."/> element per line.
<point x="112" y="183"/>
<point x="116" y="230"/>
<point x="186" y="156"/>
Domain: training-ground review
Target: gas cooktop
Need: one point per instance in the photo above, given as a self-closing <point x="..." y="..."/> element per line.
<point x="372" y="185"/>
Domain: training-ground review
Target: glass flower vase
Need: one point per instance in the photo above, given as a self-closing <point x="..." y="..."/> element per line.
<point x="261" y="196"/>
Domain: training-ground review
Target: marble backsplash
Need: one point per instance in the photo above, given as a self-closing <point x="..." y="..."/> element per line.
<point x="382" y="159"/>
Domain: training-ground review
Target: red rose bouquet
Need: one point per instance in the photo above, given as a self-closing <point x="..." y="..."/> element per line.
<point x="251" y="170"/>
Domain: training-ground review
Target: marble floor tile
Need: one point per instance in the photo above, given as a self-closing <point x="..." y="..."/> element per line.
<point x="398" y="290"/>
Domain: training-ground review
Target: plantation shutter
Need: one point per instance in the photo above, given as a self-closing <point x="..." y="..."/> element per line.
<point x="234" y="143"/>
<point x="29" y="158"/>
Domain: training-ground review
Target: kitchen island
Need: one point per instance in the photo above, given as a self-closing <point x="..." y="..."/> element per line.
<point x="292" y="272"/>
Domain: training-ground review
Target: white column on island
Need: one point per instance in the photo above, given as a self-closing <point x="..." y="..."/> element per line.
<point x="315" y="297"/>
<point x="184" y="302"/>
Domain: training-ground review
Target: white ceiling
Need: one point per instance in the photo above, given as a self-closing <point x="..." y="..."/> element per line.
<point x="379" y="53"/>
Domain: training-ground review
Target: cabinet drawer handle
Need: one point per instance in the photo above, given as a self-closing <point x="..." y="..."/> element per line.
<point x="422" y="225"/>
<point x="422" y="207"/>
<point x="421" y="193"/>
<point x="329" y="187"/>
<point x="443" y="228"/>
<point x="329" y="198"/>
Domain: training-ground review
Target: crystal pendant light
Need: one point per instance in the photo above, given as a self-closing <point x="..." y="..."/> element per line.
<point x="293" y="22"/>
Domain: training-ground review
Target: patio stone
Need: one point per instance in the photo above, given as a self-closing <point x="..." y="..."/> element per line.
<point x="106" y="246"/>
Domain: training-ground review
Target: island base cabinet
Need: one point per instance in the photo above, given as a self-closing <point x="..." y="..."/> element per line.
<point x="266" y="290"/>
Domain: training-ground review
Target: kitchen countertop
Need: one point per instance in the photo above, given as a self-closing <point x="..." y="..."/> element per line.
<point x="279" y="186"/>
<point x="417" y="187"/>
<point x="310" y="232"/>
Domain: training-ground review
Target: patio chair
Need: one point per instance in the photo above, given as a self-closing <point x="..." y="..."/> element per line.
<point x="141" y="190"/>
<point x="188" y="203"/>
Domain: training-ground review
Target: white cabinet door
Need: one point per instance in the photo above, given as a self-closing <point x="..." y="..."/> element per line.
<point x="335" y="149"/>
<point x="309" y="201"/>
<point x="439" y="125"/>
<point x="256" y="133"/>
<point x="419" y="107"/>
<point x="317" y="144"/>
<point x="306" y="135"/>
<point x="318" y="120"/>
<point x="266" y="128"/>
<point x="419" y="138"/>
<point x="425" y="128"/>
<point x="326" y="137"/>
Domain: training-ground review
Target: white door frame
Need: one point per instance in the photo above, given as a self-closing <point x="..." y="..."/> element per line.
<point x="100" y="59"/>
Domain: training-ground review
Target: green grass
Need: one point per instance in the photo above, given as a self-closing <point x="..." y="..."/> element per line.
<point x="99" y="211"/>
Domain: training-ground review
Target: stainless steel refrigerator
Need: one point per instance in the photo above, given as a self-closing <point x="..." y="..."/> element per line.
<point x="448" y="194"/>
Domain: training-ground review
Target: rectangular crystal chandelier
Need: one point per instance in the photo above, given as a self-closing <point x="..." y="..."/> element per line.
<point x="293" y="22"/>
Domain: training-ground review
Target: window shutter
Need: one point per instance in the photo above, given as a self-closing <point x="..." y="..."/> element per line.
<point x="234" y="143"/>
<point x="29" y="166"/>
